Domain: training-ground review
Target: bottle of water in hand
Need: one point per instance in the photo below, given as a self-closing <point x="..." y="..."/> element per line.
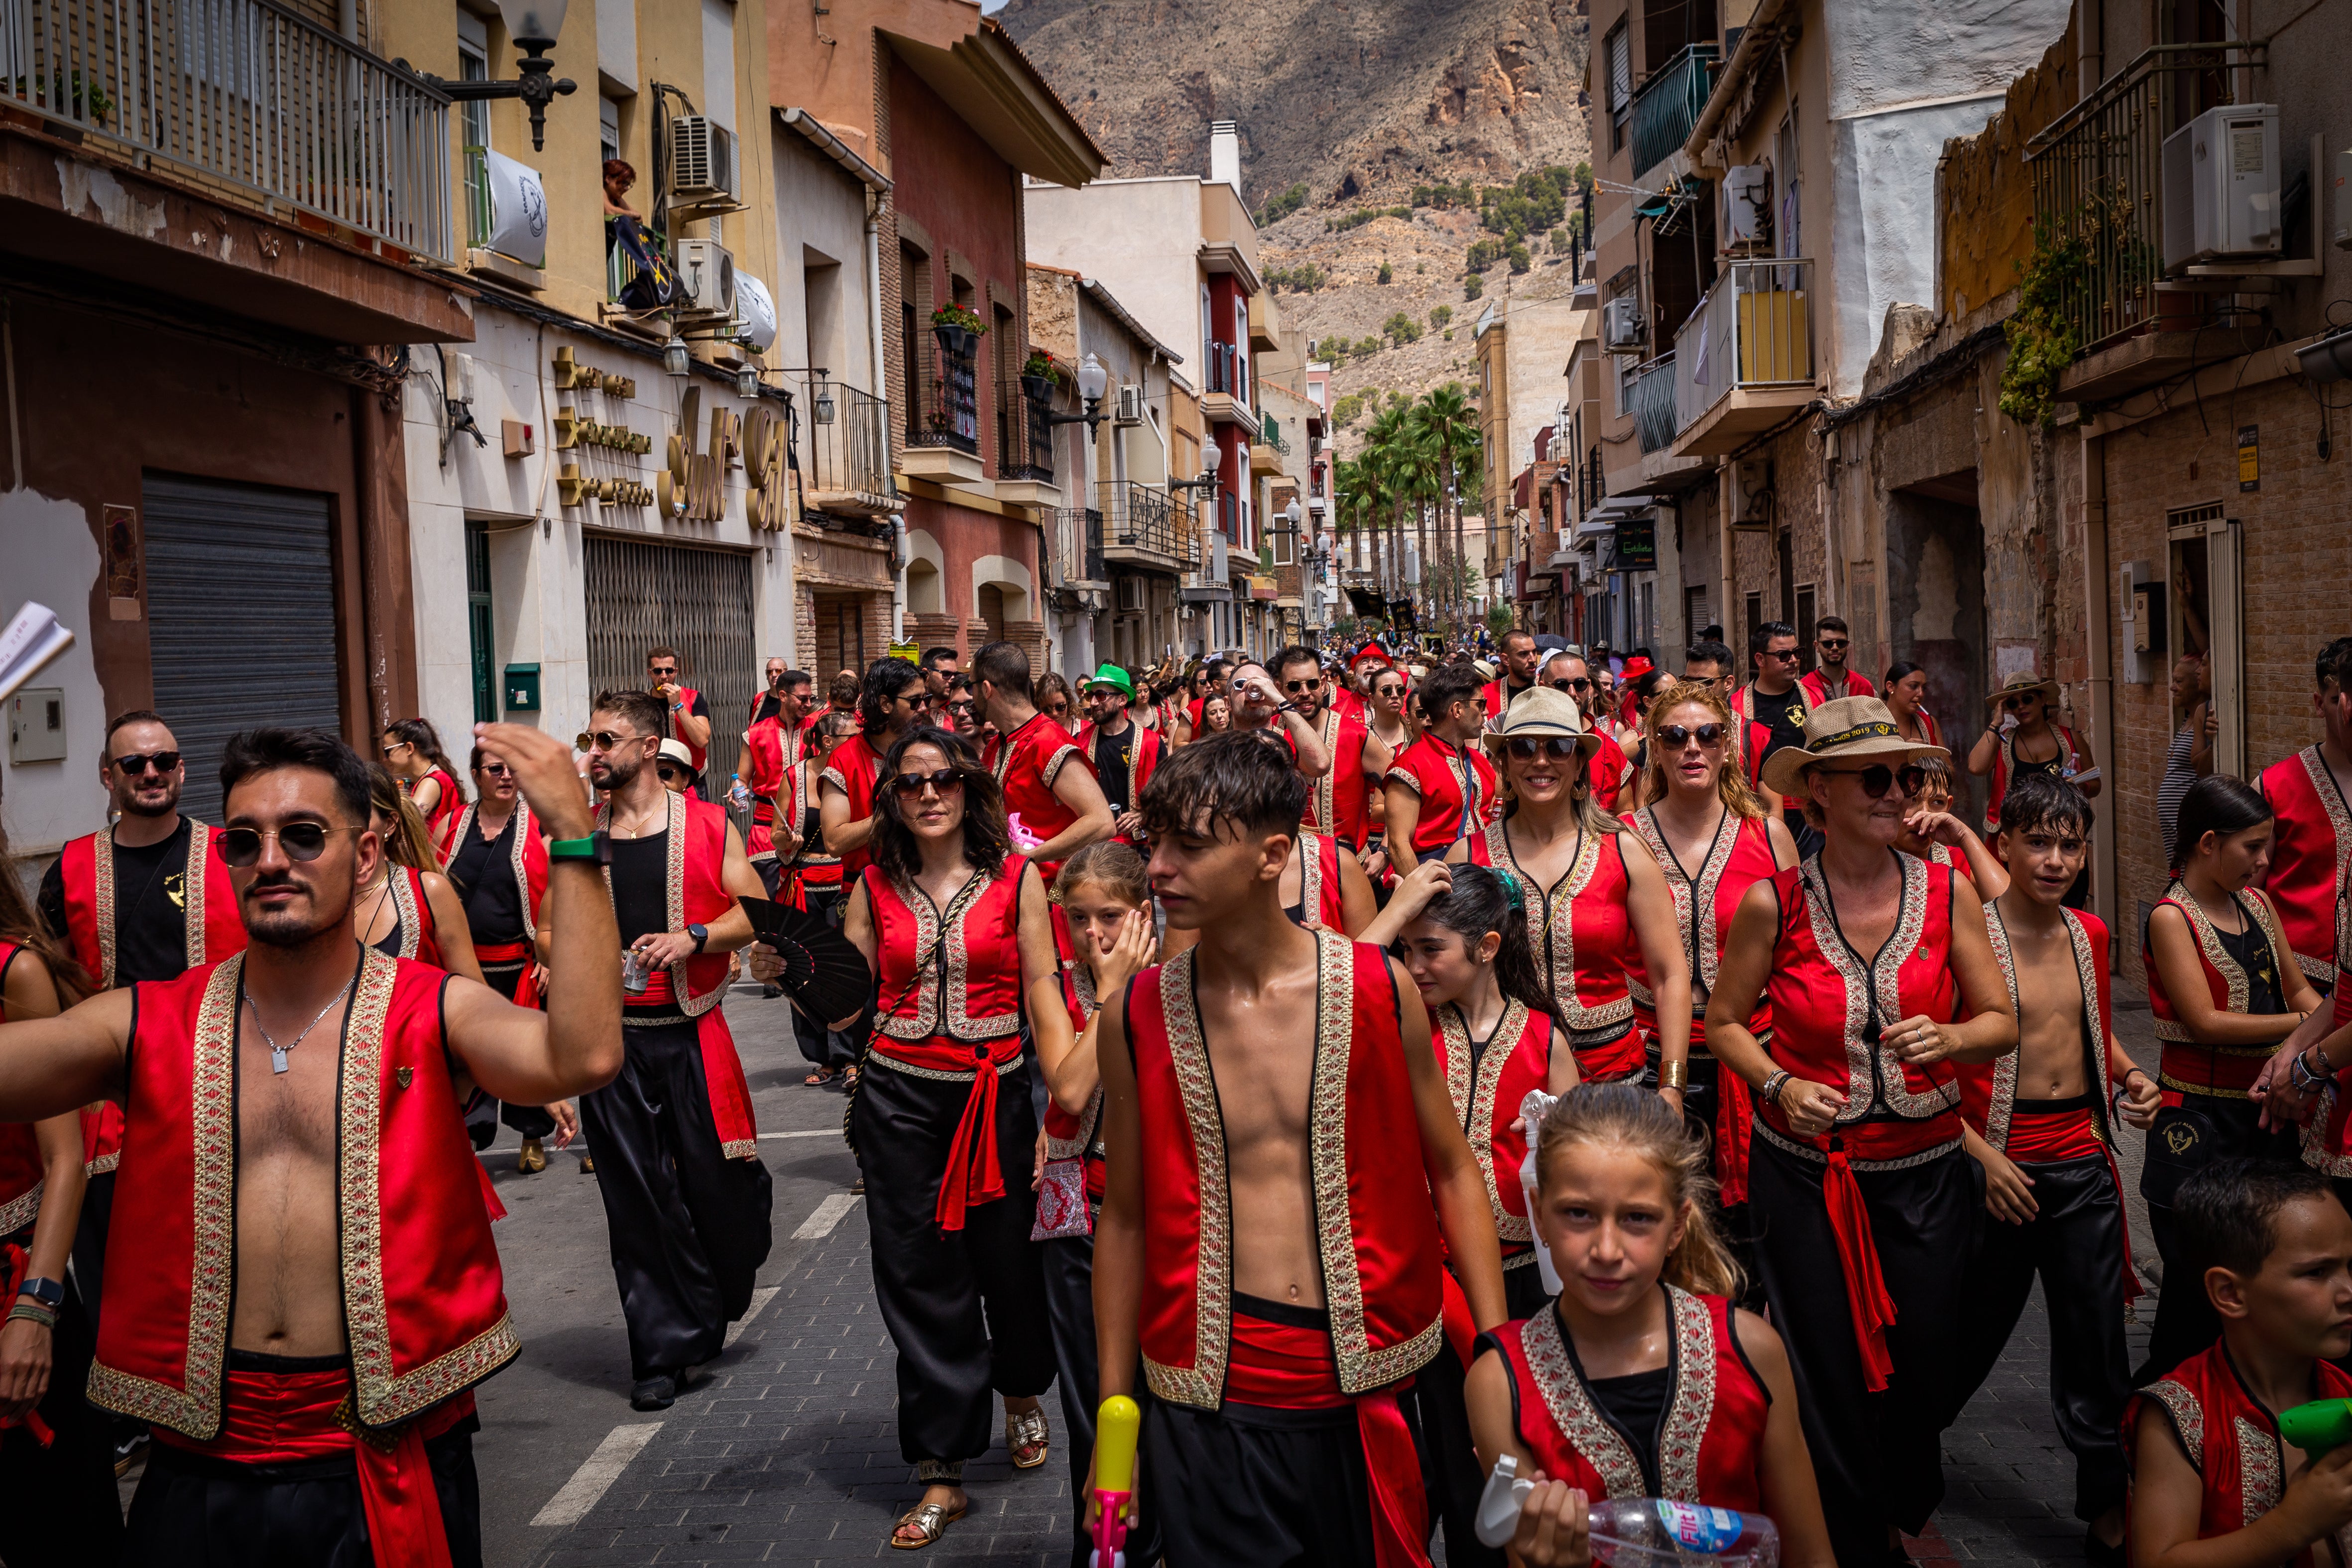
<point x="738" y="791"/>
<point x="1640" y="1532"/>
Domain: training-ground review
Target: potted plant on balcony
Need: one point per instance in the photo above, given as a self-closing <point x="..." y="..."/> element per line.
<point x="958" y="329"/>
<point x="1038" y="373"/>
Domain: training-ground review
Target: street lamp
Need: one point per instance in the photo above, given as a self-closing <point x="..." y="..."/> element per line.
<point x="675" y="360"/>
<point x="747" y="381"/>
<point x="533" y="25"/>
<point x="1093" y="381"/>
<point x="1211" y="456"/>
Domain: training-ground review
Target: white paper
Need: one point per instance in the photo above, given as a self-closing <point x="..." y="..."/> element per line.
<point x="33" y="639"/>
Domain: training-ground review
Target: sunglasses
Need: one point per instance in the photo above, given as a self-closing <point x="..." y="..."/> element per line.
<point x="1580" y="683"/>
<point x="671" y="772"/>
<point x="910" y="786"/>
<point x="303" y="841"/>
<point x="1677" y="736"/>
<point x="604" y="741"/>
<point x="2011" y="704"/>
<point x="1788" y="654"/>
<point x="1878" y="778"/>
<point x="1296" y="687"/>
<point x="395" y="746"/>
<point x="1834" y="645"/>
<point x="1528" y="748"/>
<point x="137" y="762"/>
<point x="660" y="673"/>
<point x="496" y="769"/>
<point x="1388" y="691"/>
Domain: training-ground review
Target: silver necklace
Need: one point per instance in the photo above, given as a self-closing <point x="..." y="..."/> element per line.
<point x="276" y="1051"/>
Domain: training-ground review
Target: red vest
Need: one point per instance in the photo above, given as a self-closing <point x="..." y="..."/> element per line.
<point x="21" y="1169"/>
<point x="1320" y="898"/>
<point x="527" y="854"/>
<point x="1486" y="1102"/>
<point x="1337" y="803"/>
<point x="851" y="769"/>
<point x="1069" y="1137"/>
<point x="1584" y="947"/>
<point x="686" y="696"/>
<point x="1853" y="683"/>
<point x="1436" y="772"/>
<point x="89" y="881"/>
<point x="2232" y="1439"/>
<point x="1376" y="1226"/>
<point x="1822" y="1024"/>
<point x="2187" y="1066"/>
<point x="446" y="808"/>
<point x="2004" y="764"/>
<point x="950" y="976"/>
<point x="1740" y="857"/>
<point x="1027" y="763"/>
<point x="775" y="772"/>
<point x="420" y="938"/>
<point x="423" y="1303"/>
<point x="1989" y="1089"/>
<point x="2307" y="857"/>
<point x="1710" y="1444"/>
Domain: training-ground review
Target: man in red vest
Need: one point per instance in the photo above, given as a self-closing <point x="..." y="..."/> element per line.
<point x="1520" y="655"/>
<point x="677" y="1156"/>
<point x="2309" y="791"/>
<point x="688" y="718"/>
<point x="1263" y="1247"/>
<point x="1338" y="801"/>
<point x="306" y="1086"/>
<point x="1124" y="753"/>
<point x="147" y="898"/>
<point x="1831" y="679"/>
<point x="889" y="702"/>
<point x="1056" y="810"/>
<point x="768" y="764"/>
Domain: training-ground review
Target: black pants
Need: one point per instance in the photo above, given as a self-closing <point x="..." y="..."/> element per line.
<point x="966" y="1309"/>
<point x="1247" y="1484"/>
<point x="2185" y="1140"/>
<point x="1449" y="1458"/>
<point x="1070" y="1304"/>
<point x="1878" y="1456"/>
<point x="2075" y="1243"/>
<point x="90" y="1245"/>
<point x="530" y="1120"/>
<point x="690" y="1227"/>
<point x="191" y="1511"/>
<point x="60" y="1501"/>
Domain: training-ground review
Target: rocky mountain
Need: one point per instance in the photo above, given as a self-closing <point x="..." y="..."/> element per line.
<point x="1347" y="108"/>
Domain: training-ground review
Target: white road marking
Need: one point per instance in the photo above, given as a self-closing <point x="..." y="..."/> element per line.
<point x="596" y="1474"/>
<point x="759" y="1299"/>
<point x="819" y="1226"/>
<point x="816" y="1132"/>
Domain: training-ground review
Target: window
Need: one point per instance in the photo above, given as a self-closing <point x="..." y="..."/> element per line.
<point x="2207" y="611"/>
<point x="478" y="624"/>
<point x="1241" y="348"/>
<point x="1618" y="52"/>
<point x="1285" y="542"/>
<point x="608" y="128"/>
<point x="1746" y="630"/>
<point x="474" y="123"/>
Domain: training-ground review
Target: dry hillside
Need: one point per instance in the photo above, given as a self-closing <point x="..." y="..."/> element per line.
<point x="1360" y="101"/>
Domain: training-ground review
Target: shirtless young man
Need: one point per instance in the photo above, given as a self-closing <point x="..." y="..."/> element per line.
<point x="1262" y="1248"/>
<point x="2042" y="1123"/>
<point x="298" y="1212"/>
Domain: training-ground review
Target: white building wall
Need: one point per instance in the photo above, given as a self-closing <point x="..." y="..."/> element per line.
<point x="1141" y="239"/>
<point x="53" y="561"/>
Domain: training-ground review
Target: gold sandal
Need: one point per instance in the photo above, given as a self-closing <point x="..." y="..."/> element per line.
<point x="1025" y="1432"/>
<point x="930" y="1520"/>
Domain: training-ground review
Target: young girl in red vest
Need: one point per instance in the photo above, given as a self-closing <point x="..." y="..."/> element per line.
<point x="1641" y="1380"/>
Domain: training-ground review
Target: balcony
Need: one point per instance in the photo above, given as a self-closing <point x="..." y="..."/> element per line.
<point x="1144" y="527"/>
<point x="1077" y="552"/>
<point x="1222" y="403"/>
<point x="1024" y="444"/>
<point x="245" y="94"/>
<point x="1667" y="104"/>
<point x="1650" y="399"/>
<point x="1744" y="361"/>
<point x="943" y="416"/>
<point x="1267" y="448"/>
<point x="847" y="445"/>
<point x="2098" y="202"/>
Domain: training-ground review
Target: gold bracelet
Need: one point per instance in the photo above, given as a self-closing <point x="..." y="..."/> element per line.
<point x="1674" y="1075"/>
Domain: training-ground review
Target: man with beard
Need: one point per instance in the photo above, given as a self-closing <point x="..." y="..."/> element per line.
<point x="308" y="1291"/>
<point x="1831" y="679"/>
<point x="677" y="1156"/>
<point x="1519" y="654"/>
<point x="147" y="898"/>
<point x="769" y="763"/>
<point x="687" y="712"/>
<point x="1259" y="708"/>
<point x="1338" y="801"/>
<point x="889" y="702"/>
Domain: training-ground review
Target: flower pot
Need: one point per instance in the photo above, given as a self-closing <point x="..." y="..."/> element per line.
<point x="1039" y="388"/>
<point x="954" y="340"/>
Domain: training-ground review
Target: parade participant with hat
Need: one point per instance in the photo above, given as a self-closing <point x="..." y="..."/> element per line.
<point x="1123" y="752"/>
<point x="1866" y="956"/>
<point x="2021" y="730"/>
<point x="674" y="765"/>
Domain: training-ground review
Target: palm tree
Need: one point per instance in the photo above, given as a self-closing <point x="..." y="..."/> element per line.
<point x="1444" y="419"/>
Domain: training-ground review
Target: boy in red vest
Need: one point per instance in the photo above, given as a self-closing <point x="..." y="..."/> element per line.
<point x="2272" y="1251"/>
<point x="1263" y="1249"/>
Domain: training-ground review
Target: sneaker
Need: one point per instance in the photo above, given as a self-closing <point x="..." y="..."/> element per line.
<point x="654" y="1394"/>
<point x="533" y="1158"/>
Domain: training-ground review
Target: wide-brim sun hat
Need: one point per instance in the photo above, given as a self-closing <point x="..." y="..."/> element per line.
<point x="1850" y="727"/>
<point x="1542" y="710"/>
<point x="2024" y="685"/>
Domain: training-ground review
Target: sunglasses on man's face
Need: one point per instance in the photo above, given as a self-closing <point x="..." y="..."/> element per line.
<point x="133" y="764"/>
<point x="1296" y="687"/>
<point x="1676" y="736"/>
<point x="1528" y="748"/>
<point x="1579" y="683"/>
<point x="304" y="841"/>
<point x="603" y="741"/>
<point x="1783" y="654"/>
<point x="910" y="786"/>
<point x="661" y="673"/>
<point x="1878" y="778"/>
<point x="1834" y="645"/>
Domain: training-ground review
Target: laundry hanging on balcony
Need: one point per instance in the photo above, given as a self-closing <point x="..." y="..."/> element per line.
<point x="518" y="225"/>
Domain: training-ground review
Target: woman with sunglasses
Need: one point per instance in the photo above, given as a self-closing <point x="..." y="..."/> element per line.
<point x="1598" y="909"/>
<point x="412" y="749"/>
<point x="410" y="910"/>
<point x="958" y="934"/>
<point x="2015" y="741"/>
<point x="1054" y="699"/>
<point x="1868" y="1200"/>
<point x="1907" y="700"/>
<point x="1712" y="840"/>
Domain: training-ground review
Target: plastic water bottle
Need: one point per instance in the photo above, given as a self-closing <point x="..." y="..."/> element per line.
<point x="1640" y="1532"/>
<point x="736" y="790"/>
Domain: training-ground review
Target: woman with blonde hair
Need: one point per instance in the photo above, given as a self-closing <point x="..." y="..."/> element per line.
<point x="411" y="909"/>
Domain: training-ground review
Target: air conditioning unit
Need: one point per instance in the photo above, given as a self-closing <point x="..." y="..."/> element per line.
<point x="1130" y="593"/>
<point x="2221" y="187"/>
<point x="1620" y="325"/>
<point x="706" y="278"/>
<point x="703" y="162"/>
<point x="1747" y="207"/>
<point x="1131" y="405"/>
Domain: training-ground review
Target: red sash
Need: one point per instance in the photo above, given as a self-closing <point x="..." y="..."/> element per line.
<point x="2308" y="856"/>
<point x="2231" y="1438"/>
<point x="425" y="1307"/>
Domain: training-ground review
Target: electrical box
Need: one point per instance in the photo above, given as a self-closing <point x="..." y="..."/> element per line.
<point x="521" y="692"/>
<point x="2221" y="187"/>
<point x="706" y="276"/>
<point x="1747" y="207"/>
<point x="36" y="724"/>
<point x="516" y="438"/>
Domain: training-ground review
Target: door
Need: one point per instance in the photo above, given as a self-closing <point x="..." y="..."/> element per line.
<point x="240" y="617"/>
<point x="642" y="596"/>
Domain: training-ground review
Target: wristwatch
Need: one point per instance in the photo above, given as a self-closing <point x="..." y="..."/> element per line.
<point x="49" y="1293"/>
<point x="597" y="848"/>
<point x="701" y="936"/>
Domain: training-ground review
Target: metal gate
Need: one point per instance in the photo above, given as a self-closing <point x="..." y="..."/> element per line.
<point x="240" y="617"/>
<point x="696" y="600"/>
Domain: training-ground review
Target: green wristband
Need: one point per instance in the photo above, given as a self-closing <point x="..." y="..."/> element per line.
<point x="597" y="848"/>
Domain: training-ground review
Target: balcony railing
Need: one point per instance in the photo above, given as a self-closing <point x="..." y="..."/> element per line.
<point x="1224" y="372"/>
<point x="1270" y="433"/>
<point x="1594" y="485"/>
<point x="1650" y="398"/>
<point x="1138" y="517"/>
<point x="1024" y="440"/>
<point x="1078" y="544"/>
<point x="944" y="407"/>
<point x="848" y="451"/>
<point x="1753" y="329"/>
<point x="2098" y="186"/>
<point x="247" y="93"/>
<point x="1668" y="105"/>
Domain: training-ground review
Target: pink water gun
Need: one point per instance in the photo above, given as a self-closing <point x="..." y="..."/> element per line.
<point x="1115" y="1425"/>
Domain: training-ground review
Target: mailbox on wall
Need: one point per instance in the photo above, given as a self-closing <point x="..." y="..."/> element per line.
<point x="522" y="694"/>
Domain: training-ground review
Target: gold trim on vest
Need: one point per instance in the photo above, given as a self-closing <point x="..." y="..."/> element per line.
<point x="1202" y="1385"/>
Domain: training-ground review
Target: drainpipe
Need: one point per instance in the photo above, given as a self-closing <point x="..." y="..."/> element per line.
<point x="874" y="331"/>
<point x="2101" y="681"/>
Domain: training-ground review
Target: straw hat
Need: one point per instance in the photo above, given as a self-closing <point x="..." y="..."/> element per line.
<point x="1848" y="727"/>
<point x="676" y="752"/>
<point x="1544" y="710"/>
<point x="2022" y="684"/>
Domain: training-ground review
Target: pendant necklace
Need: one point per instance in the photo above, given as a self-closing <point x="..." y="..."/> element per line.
<point x="276" y="1051"/>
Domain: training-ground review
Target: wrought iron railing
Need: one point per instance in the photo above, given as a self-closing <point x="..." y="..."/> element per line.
<point x="1753" y="329"/>
<point x="1025" y="437"/>
<point x="945" y="410"/>
<point x="1668" y="102"/>
<point x="2098" y="186"/>
<point x="1650" y="398"/>
<point x="1270" y="433"/>
<point x="247" y="93"/>
<point x="1078" y="544"/>
<point x="1224" y="377"/>
<point x="1594" y="485"/>
<point x="1140" y="517"/>
<point x="847" y="437"/>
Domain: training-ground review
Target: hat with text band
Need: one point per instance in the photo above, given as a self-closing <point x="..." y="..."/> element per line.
<point x="1858" y="727"/>
<point x="1540" y="712"/>
<point x="1115" y="677"/>
<point x="2023" y="684"/>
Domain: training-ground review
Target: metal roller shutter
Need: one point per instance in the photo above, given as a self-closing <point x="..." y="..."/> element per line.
<point x="698" y="601"/>
<point x="240" y="617"/>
